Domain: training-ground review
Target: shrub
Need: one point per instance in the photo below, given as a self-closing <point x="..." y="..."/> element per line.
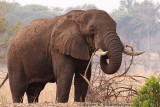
<point x="148" y="94"/>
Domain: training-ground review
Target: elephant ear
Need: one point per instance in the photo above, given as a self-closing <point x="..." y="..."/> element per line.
<point x="67" y="39"/>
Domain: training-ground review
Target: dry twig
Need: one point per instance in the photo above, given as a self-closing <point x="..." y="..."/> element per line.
<point x="114" y="88"/>
<point x="154" y="14"/>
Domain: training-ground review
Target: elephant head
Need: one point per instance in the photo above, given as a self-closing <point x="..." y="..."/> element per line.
<point x="79" y="30"/>
<point x="99" y="30"/>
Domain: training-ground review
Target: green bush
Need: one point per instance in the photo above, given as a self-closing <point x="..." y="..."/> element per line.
<point x="148" y="94"/>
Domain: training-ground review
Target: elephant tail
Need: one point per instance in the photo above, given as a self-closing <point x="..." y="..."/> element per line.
<point x="4" y="80"/>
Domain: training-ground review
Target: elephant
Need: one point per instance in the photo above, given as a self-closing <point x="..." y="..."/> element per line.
<point x="53" y="50"/>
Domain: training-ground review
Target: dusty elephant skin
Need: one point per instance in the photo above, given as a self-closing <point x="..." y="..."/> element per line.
<point x="52" y="50"/>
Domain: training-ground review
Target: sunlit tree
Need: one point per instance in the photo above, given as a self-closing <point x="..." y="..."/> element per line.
<point x="7" y="31"/>
<point x="135" y="23"/>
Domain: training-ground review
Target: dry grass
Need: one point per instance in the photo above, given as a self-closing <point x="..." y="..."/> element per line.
<point x="5" y="94"/>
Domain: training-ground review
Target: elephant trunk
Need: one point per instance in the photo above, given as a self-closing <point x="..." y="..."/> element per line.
<point x="114" y="47"/>
<point x="114" y="63"/>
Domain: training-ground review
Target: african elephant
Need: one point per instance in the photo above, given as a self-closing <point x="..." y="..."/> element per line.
<point x="53" y="50"/>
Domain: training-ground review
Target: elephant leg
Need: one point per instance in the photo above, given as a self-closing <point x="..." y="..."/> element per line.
<point x="17" y="97"/>
<point x="33" y="91"/>
<point x="80" y="84"/>
<point x="64" y="68"/>
<point x="18" y="92"/>
<point x="17" y="80"/>
<point x="63" y="86"/>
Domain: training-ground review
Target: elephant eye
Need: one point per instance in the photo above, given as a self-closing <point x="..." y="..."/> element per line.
<point x="92" y="30"/>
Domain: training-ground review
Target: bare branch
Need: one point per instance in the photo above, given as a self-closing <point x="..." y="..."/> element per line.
<point x="155" y="18"/>
<point x="127" y="69"/>
<point x="89" y="63"/>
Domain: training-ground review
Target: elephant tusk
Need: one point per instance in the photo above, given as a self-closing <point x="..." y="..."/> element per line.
<point x="125" y="51"/>
<point x="101" y="52"/>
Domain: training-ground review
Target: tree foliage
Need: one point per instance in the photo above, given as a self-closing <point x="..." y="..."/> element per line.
<point x="28" y="13"/>
<point x="148" y="94"/>
<point x="135" y="23"/>
<point x="3" y="25"/>
<point x="7" y="31"/>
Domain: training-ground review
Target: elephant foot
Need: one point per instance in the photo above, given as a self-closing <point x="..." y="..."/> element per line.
<point x="17" y="96"/>
<point x="32" y="98"/>
<point x="33" y="92"/>
<point x="63" y="90"/>
<point x="18" y="99"/>
<point x="62" y="100"/>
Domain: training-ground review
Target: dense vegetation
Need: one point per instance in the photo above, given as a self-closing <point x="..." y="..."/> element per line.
<point x="148" y="94"/>
<point x="7" y="30"/>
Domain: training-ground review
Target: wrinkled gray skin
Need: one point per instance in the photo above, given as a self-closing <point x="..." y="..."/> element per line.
<point x="52" y="50"/>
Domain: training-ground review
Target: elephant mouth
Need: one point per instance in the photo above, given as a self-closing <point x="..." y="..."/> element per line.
<point x="91" y="49"/>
